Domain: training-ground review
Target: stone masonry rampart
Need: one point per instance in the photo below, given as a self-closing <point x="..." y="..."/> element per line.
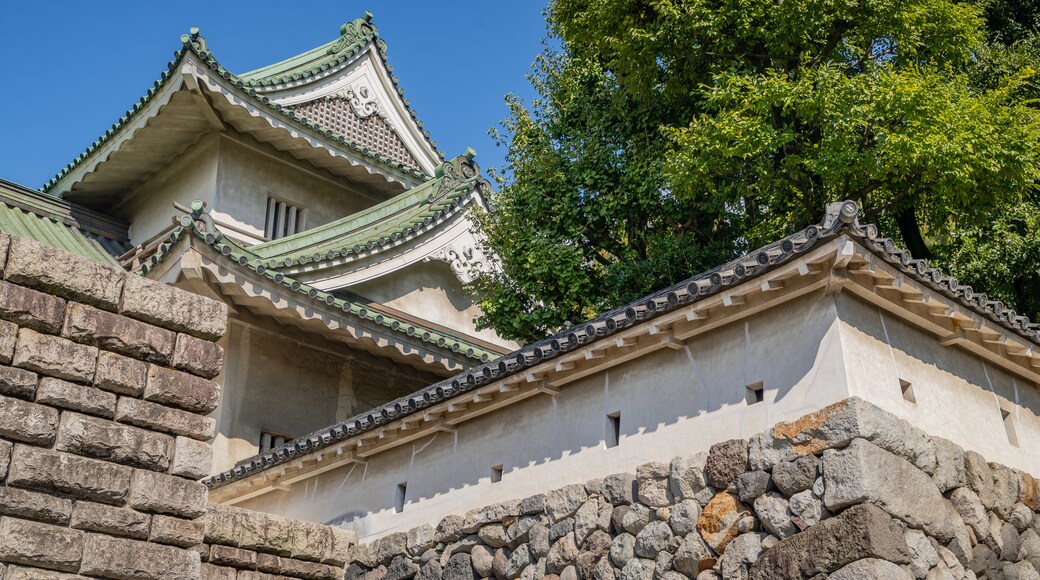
<point x="106" y="380"/>
<point x="105" y="384"/>
<point x="848" y="492"/>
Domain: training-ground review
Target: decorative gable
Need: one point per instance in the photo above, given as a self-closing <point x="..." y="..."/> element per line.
<point x="348" y="86"/>
<point x="352" y="113"/>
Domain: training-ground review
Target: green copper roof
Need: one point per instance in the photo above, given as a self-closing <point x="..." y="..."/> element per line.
<point x="368" y="231"/>
<point x="56" y="223"/>
<point x="240" y="257"/>
<point x="353" y="36"/>
<point x="195" y="43"/>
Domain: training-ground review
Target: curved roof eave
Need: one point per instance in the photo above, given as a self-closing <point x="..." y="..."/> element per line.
<point x="239" y="257"/>
<point x="28" y="213"/>
<point x="412" y="214"/>
<point x="194" y="44"/>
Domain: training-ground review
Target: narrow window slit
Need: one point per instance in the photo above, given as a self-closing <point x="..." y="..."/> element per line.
<point x="496" y="474"/>
<point x="402" y="491"/>
<point x="613" y="435"/>
<point x="756" y="393"/>
<point x="908" y="391"/>
<point x="283" y="219"/>
<point x="1009" y="426"/>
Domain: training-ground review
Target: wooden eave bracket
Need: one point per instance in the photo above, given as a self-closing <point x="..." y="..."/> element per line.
<point x="281" y="478"/>
<point x="200" y="99"/>
<point x="899" y="295"/>
<point x="369" y="447"/>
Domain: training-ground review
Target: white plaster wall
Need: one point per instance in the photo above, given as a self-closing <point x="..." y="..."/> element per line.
<point x="273" y="384"/>
<point x="959" y="396"/>
<point x="671" y="403"/>
<point x="431" y="291"/>
<point x="248" y="176"/>
<point x="279" y="384"/>
<point x="149" y="207"/>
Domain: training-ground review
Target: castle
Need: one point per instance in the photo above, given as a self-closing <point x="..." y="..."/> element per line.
<point x="321" y="365"/>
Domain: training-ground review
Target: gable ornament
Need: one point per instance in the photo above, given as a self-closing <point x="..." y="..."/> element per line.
<point x="362" y="102"/>
<point x="467" y="262"/>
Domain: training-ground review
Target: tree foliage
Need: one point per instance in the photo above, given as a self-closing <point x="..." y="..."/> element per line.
<point x="671" y="135"/>
<point x="1001" y="255"/>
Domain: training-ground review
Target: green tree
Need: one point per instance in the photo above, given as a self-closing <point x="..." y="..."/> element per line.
<point x="1001" y="256"/>
<point x="672" y="134"/>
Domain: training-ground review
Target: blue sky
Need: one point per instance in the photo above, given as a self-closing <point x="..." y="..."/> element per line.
<point x="71" y="69"/>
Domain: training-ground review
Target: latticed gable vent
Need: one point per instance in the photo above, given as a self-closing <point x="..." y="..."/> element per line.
<point x="371" y="131"/>
<point x="283" y="219"/>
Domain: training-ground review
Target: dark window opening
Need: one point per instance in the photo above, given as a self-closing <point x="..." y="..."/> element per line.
<point x="283" y="219"/>
<point x="756" y="393"/>
<point x="908" y="391"/>
<point x="613" y="436"/>
<point x="402" y="491"/>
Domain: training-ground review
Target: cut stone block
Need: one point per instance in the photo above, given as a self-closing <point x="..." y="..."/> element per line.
<point x="18" y="382"/>
<point x="8" y="337"/>
<point x="251" y="530"/>
<point x="62" y="273"/>
<point x="298" y="568"/>
<point x="96" y="517"/>
<point x="191" y="458"/>
<point x="59" y="393"/>
<point x="55" y="356"/>
<point x="197" y="356"/>
<point x="31" y="309"/>
<point x="120" y="334"/>
<point x="122" y="558"/>
<point x="174" y="308"/>
<point x="177" y="531"/>
<point x="30" y="505"/>
<point x="42" y="545"/>
<point x="27" y="422"/>
<point x="834" y="427"/>
<point x="113" y="441"/>
<point x="862" y="531"/>
<point x="161" y="418"/>
<point x="80" y="477"/>
<point x="167" y="494"/>
<point x="120" y="374"/>
<point x="228" y="556"/>
<point x="864" y="472"/>
<point x="182" y="390"/>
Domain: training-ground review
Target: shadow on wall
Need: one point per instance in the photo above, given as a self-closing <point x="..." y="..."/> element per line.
<point x="916" y="359"/>
<point x="408" y="286"/>
<point x="672" y="398"/>
<point x="676" y="402"/>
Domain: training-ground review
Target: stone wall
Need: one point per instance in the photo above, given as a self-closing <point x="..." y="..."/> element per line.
<point x="848" y="492"/>
<point x="250" y="545"/>
<point x="104" y="391"/>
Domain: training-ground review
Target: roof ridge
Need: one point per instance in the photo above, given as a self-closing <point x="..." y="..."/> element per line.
<point x="354" y="36"/>
<point x="839" y="218"/>
<point x="196" y="43"/>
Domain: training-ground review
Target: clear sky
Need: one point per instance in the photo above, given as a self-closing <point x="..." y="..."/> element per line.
<point x="71" y="69"/>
